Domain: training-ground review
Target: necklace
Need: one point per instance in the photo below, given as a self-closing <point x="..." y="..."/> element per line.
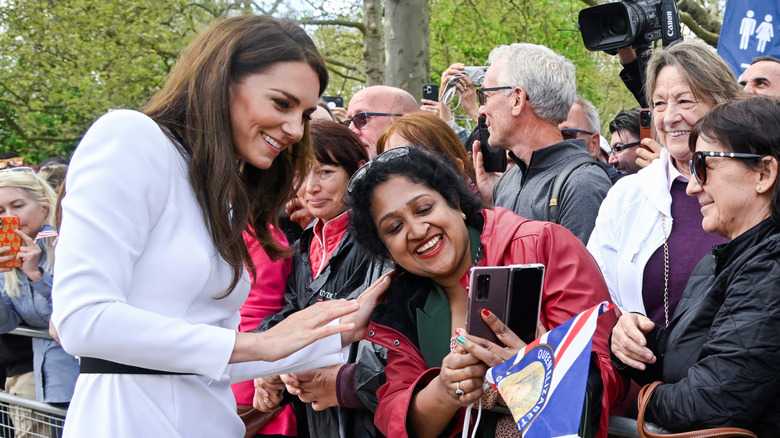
<point x="666" y="270"/>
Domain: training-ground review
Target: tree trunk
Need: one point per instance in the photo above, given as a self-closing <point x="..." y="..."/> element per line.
<point x="406" y="42"/>
<point x="373" y="47"/>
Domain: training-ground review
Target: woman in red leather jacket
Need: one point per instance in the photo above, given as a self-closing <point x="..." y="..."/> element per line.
<point x="416" y="209"/>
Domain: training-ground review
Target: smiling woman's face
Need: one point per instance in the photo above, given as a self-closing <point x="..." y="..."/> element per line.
<point x="421" y="232"/>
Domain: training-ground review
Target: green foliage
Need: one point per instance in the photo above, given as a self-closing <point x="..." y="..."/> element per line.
<point x="66" y="62"/>
<point x="466" y="30"/>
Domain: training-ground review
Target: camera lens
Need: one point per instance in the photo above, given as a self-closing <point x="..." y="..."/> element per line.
<point x="483" y="287"/>
<point x="615" y="25"/>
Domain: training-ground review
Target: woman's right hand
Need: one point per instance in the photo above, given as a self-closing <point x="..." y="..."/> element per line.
<point x="295" y="332"/>
<point x="269" y="392"/>
<point x="298" y="213"/>
<point x="368" y="301"/>
<point x="628" y="340"/>
<point x="461" y="369"/>
<point x="648" y="151"/>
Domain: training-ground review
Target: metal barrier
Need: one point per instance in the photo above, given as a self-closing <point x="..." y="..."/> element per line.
<point x="21" y="417"/>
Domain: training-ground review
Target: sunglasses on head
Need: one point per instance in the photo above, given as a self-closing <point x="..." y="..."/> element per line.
<point x="384" y="157"/>
<point x="698" y="164"/>
<point x="571" y="133"/>
<point x="13" y="162"/>
<point x="360" y="119"/>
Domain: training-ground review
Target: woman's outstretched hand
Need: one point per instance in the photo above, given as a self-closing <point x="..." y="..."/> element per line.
<point x="368" y="301"/>
<point x="294" y="332"/>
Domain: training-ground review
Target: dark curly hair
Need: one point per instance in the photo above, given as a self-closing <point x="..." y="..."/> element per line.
<point x="745" y="124"/>
<point x="418" y="165"/>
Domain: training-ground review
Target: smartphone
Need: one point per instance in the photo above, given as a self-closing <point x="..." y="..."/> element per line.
<point x="488" y="289"/>
<point x="494" y="159"/>
<point x="525" y="299"/>
<point x="430" y="92"/>
<point x="334" y="101"/>
<point x="645" y="122"/>
<point x="476" y="74"/>
<point x="9" y="238"/>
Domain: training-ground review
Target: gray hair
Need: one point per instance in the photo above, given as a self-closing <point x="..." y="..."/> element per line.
<point x="548" y="78"/>
<point x="591" y="113"/>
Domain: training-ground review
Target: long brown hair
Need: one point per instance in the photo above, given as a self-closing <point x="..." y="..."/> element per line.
<point x="194" y="106"/>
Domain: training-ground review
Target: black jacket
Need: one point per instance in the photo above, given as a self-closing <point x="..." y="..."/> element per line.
<point x="720" y="355"/>
<point x="347" y="273"/>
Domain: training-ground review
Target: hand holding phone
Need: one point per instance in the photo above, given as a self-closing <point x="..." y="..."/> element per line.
<point x="512" y="293"/>
<point x="494" y="159"/>
<point x="430" y="92"/>
<point x="9" y="238"/>
<point x="645" y="124"/>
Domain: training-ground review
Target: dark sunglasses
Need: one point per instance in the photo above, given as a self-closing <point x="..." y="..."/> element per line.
<point x="482" y="95"/>
<point x="360" y="119"/>
<point x="384" y="157"/>
<point x="616" y="149"/>
<point x="571" y="133"/>
<point x="698" y="165"/>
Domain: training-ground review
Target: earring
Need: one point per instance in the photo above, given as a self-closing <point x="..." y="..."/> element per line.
<point x="463" y="215"/>
<point x="758" y="188"/>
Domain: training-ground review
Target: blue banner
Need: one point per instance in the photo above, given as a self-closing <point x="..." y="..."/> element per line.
<point x="750" y="28"/>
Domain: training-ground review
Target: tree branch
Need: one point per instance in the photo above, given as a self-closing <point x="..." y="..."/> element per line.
<point x="345" y="23"/>
<point x="342" y="64"/>
<point x="706" y="36"/>
<point x="344" y="75"/>
<point x="703" y="18"/>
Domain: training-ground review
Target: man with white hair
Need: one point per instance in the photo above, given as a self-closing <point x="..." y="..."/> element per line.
<point x="528" y="91"/>
<point x="583" y="122"/>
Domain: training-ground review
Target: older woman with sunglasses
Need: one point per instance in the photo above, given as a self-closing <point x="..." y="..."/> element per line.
<point x="719" y="357"/>
<point x="648" y="236"/>
<point x="435" y="230"/>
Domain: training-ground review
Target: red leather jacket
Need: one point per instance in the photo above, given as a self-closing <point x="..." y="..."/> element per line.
<point x="573" y="283"/>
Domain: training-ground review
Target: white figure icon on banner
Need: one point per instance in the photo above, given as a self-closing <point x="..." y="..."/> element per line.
<point x="746" y="30"/>
<point x="764" y="33"/>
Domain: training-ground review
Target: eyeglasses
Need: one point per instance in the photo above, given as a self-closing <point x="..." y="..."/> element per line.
<point x="384" y="157"/>
<point x="571" y="133"/>
<point x="13" y="162"/>
<point x="698" y="165"/>
<point x="482" y="95"/>
<point x="360" y="119"/>
<point x="616" y="149"/>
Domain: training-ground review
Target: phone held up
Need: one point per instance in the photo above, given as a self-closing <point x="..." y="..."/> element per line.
<point x="10" y="239"/>
<point x="513" y="293"/>
<point x="430" y="92"/>
<point x="645" y="122"/>
<point x="494" y="159"/>
<point x="334" y="101"/>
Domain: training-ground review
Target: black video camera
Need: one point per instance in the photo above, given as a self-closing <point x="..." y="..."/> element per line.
<point x="636" y="23"/>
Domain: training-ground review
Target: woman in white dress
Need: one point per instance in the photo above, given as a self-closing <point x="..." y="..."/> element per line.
<point x="150" y="260"/>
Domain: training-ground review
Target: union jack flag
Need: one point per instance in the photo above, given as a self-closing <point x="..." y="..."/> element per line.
<point x="544" y="383"/>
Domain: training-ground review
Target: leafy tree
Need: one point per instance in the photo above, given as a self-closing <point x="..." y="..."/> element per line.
<point x="66" y="62"/>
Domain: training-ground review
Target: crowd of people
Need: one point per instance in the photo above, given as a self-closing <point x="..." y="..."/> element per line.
<point x="249" y="249"/>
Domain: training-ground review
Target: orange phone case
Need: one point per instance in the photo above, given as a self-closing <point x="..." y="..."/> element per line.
<point x="9" y="238"/>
